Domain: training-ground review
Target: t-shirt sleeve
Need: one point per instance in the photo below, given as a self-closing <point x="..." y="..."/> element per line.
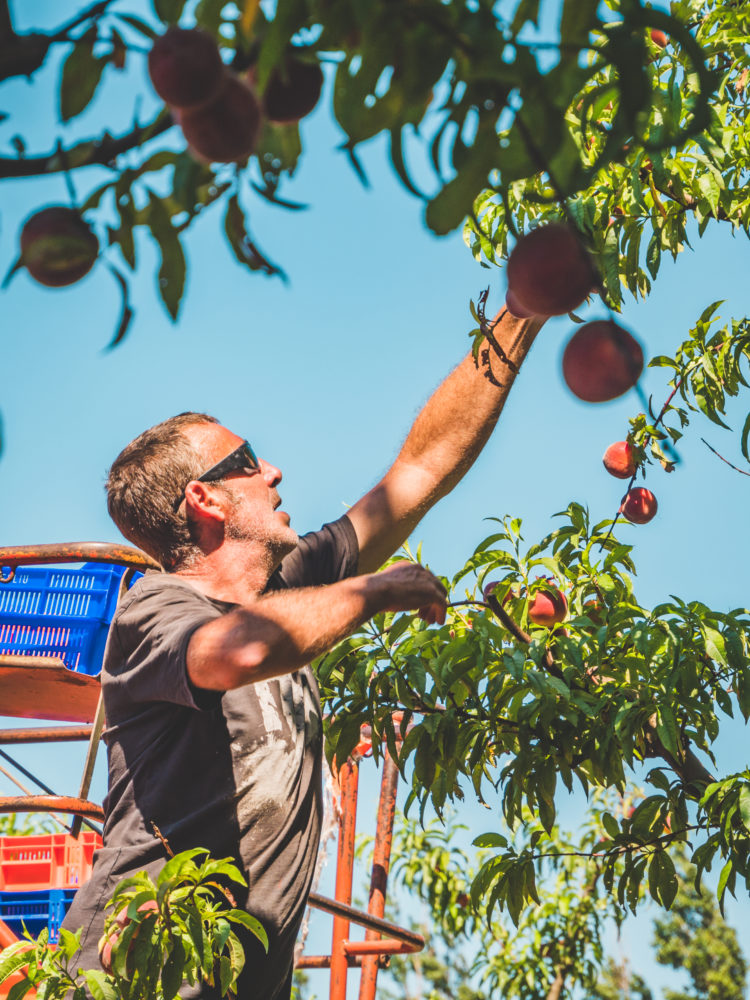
<point x="145" y="659"/>
<point x="321" y="557"/>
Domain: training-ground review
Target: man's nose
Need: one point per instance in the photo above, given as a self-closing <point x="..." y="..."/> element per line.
<point x="270" y="473"/>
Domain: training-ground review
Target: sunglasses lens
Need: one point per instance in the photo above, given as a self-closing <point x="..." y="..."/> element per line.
<point x="252" y="458"/>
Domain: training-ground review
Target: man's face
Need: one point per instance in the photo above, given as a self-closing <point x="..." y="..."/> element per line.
<point x="252" y="511"/>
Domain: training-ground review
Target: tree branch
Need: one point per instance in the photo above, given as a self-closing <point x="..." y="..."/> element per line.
<point x="516" y="631"/>
<point x="22" y="55"/>
<point x="92" y="152"/>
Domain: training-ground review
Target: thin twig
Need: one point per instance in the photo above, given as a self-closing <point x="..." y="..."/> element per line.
<point x="726" y="461"/>
<point x="162" y="838"/>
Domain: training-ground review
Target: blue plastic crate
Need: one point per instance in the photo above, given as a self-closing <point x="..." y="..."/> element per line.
<point x="36" y="910"/>
<point x="59" y="611"/>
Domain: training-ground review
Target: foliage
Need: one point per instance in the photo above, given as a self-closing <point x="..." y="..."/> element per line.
<point x="556" y="942"/>
<point x="24" y="824"/>
<point x="633" y="211"/>
<point x="557" y="949"/>
<point x="178" y="929"/>
<point x="694" y="938"/>
<point x="492" y="701"/>
<point x="601" y="120"/>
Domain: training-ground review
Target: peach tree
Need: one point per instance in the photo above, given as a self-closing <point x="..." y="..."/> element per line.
<point x="626" y="92"/>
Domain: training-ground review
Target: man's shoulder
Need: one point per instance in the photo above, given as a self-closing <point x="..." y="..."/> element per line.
<point x="155" y="590"/>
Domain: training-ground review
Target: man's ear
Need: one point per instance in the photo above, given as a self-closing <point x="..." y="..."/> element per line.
<point x="203" y="501"/>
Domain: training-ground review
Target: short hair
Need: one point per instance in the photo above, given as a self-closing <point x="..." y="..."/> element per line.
<point x="144" y="482"/>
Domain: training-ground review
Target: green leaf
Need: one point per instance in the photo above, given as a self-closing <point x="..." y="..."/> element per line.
<point x="251" y="923"/>
<point x="136" y="22"/>
<point x="528" y="10"/>
<point x="653" y="254"/>
<point x="745" y="438"/>
<point x="662" y="879"/>
<point x="490" y="840"/>
<point x="173" y="971"/>
<point x="225" y="974"/>
<point x="239" y="240"/>
<point x="726" y="871"/>
<point x="577" y="20"/>
<point x="100" y="986"/>
<point x="666" y="727"/>
<point x="611" y="825"/>
<point x="715" y="645"/>
<point x="20" y="989"/>
<point x="13" y="959"/>
<point x="745" y="806"/>
<point x="172" y="268"/>
<point x="208" y="14"/>
<point x="289" y="18"/>
<point x="168" y="11"/>
<point x="81" y="74"/>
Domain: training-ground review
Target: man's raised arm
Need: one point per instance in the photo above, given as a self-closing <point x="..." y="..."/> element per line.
<point x="444" y="441"/>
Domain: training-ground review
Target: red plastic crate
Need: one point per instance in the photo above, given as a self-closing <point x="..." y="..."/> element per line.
<point x="46" y="861"/>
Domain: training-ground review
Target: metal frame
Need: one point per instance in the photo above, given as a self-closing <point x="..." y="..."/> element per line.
<point x="374" y="952"/>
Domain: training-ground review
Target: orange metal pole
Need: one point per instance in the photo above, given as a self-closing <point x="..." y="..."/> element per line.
<point x="348" y="783"/>
<point x="380" y="864"/>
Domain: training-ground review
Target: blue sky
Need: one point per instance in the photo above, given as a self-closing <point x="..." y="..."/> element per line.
<point x="324" y="375"/>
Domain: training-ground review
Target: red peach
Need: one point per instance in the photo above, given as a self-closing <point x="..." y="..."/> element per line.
<point x="57" y="247"/>
<point x="658" y="38"/>
<point x="549" y="271"/>
<point x="601" y="361"/>
<point x="108" y="940"/>
<point x="548" y="606"/>
<point x="619" y="460"/>
<point x="185" y="67"/>
<point x="292" y="91"/>
<point x="639" y="505"/>
<point x="226" y="129"/>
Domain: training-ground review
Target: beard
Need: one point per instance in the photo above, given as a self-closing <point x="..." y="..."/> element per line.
<point x="262" y="528"/>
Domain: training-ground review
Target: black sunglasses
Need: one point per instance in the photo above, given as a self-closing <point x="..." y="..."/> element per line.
<point x="242" y="459"/>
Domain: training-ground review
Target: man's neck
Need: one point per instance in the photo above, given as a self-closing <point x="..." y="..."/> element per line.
<point x="235" y="572"/>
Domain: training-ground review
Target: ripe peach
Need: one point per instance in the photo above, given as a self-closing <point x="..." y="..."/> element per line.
<point x="619" y="460"/>
<point x="658" y="38"/>
<point x="108" y="940"/>
<point x="57" y="247"/>
<point x="226" y="129"/>
<point x="515" y="308"/>
<point x="601" y="361"/>
<point x="639" y="505"/>
<point x="549" y="272"/>
<point x="548" y="606"/>
<point x="185" y="67"/>
<point x="292" y="91"/>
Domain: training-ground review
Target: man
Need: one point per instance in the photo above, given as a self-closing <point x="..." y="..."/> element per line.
<point x="213" y="719"/>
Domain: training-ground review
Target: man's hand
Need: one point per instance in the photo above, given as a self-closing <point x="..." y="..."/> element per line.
<point x="406" y="586"/>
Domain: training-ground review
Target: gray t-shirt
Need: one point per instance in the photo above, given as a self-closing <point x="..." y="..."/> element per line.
<point x="237" y="773"/>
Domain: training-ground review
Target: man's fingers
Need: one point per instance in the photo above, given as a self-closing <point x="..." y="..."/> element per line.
<point x="433" y="614"/>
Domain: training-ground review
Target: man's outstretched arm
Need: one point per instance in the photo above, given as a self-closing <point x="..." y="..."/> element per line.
<point x="444" y="441"/>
